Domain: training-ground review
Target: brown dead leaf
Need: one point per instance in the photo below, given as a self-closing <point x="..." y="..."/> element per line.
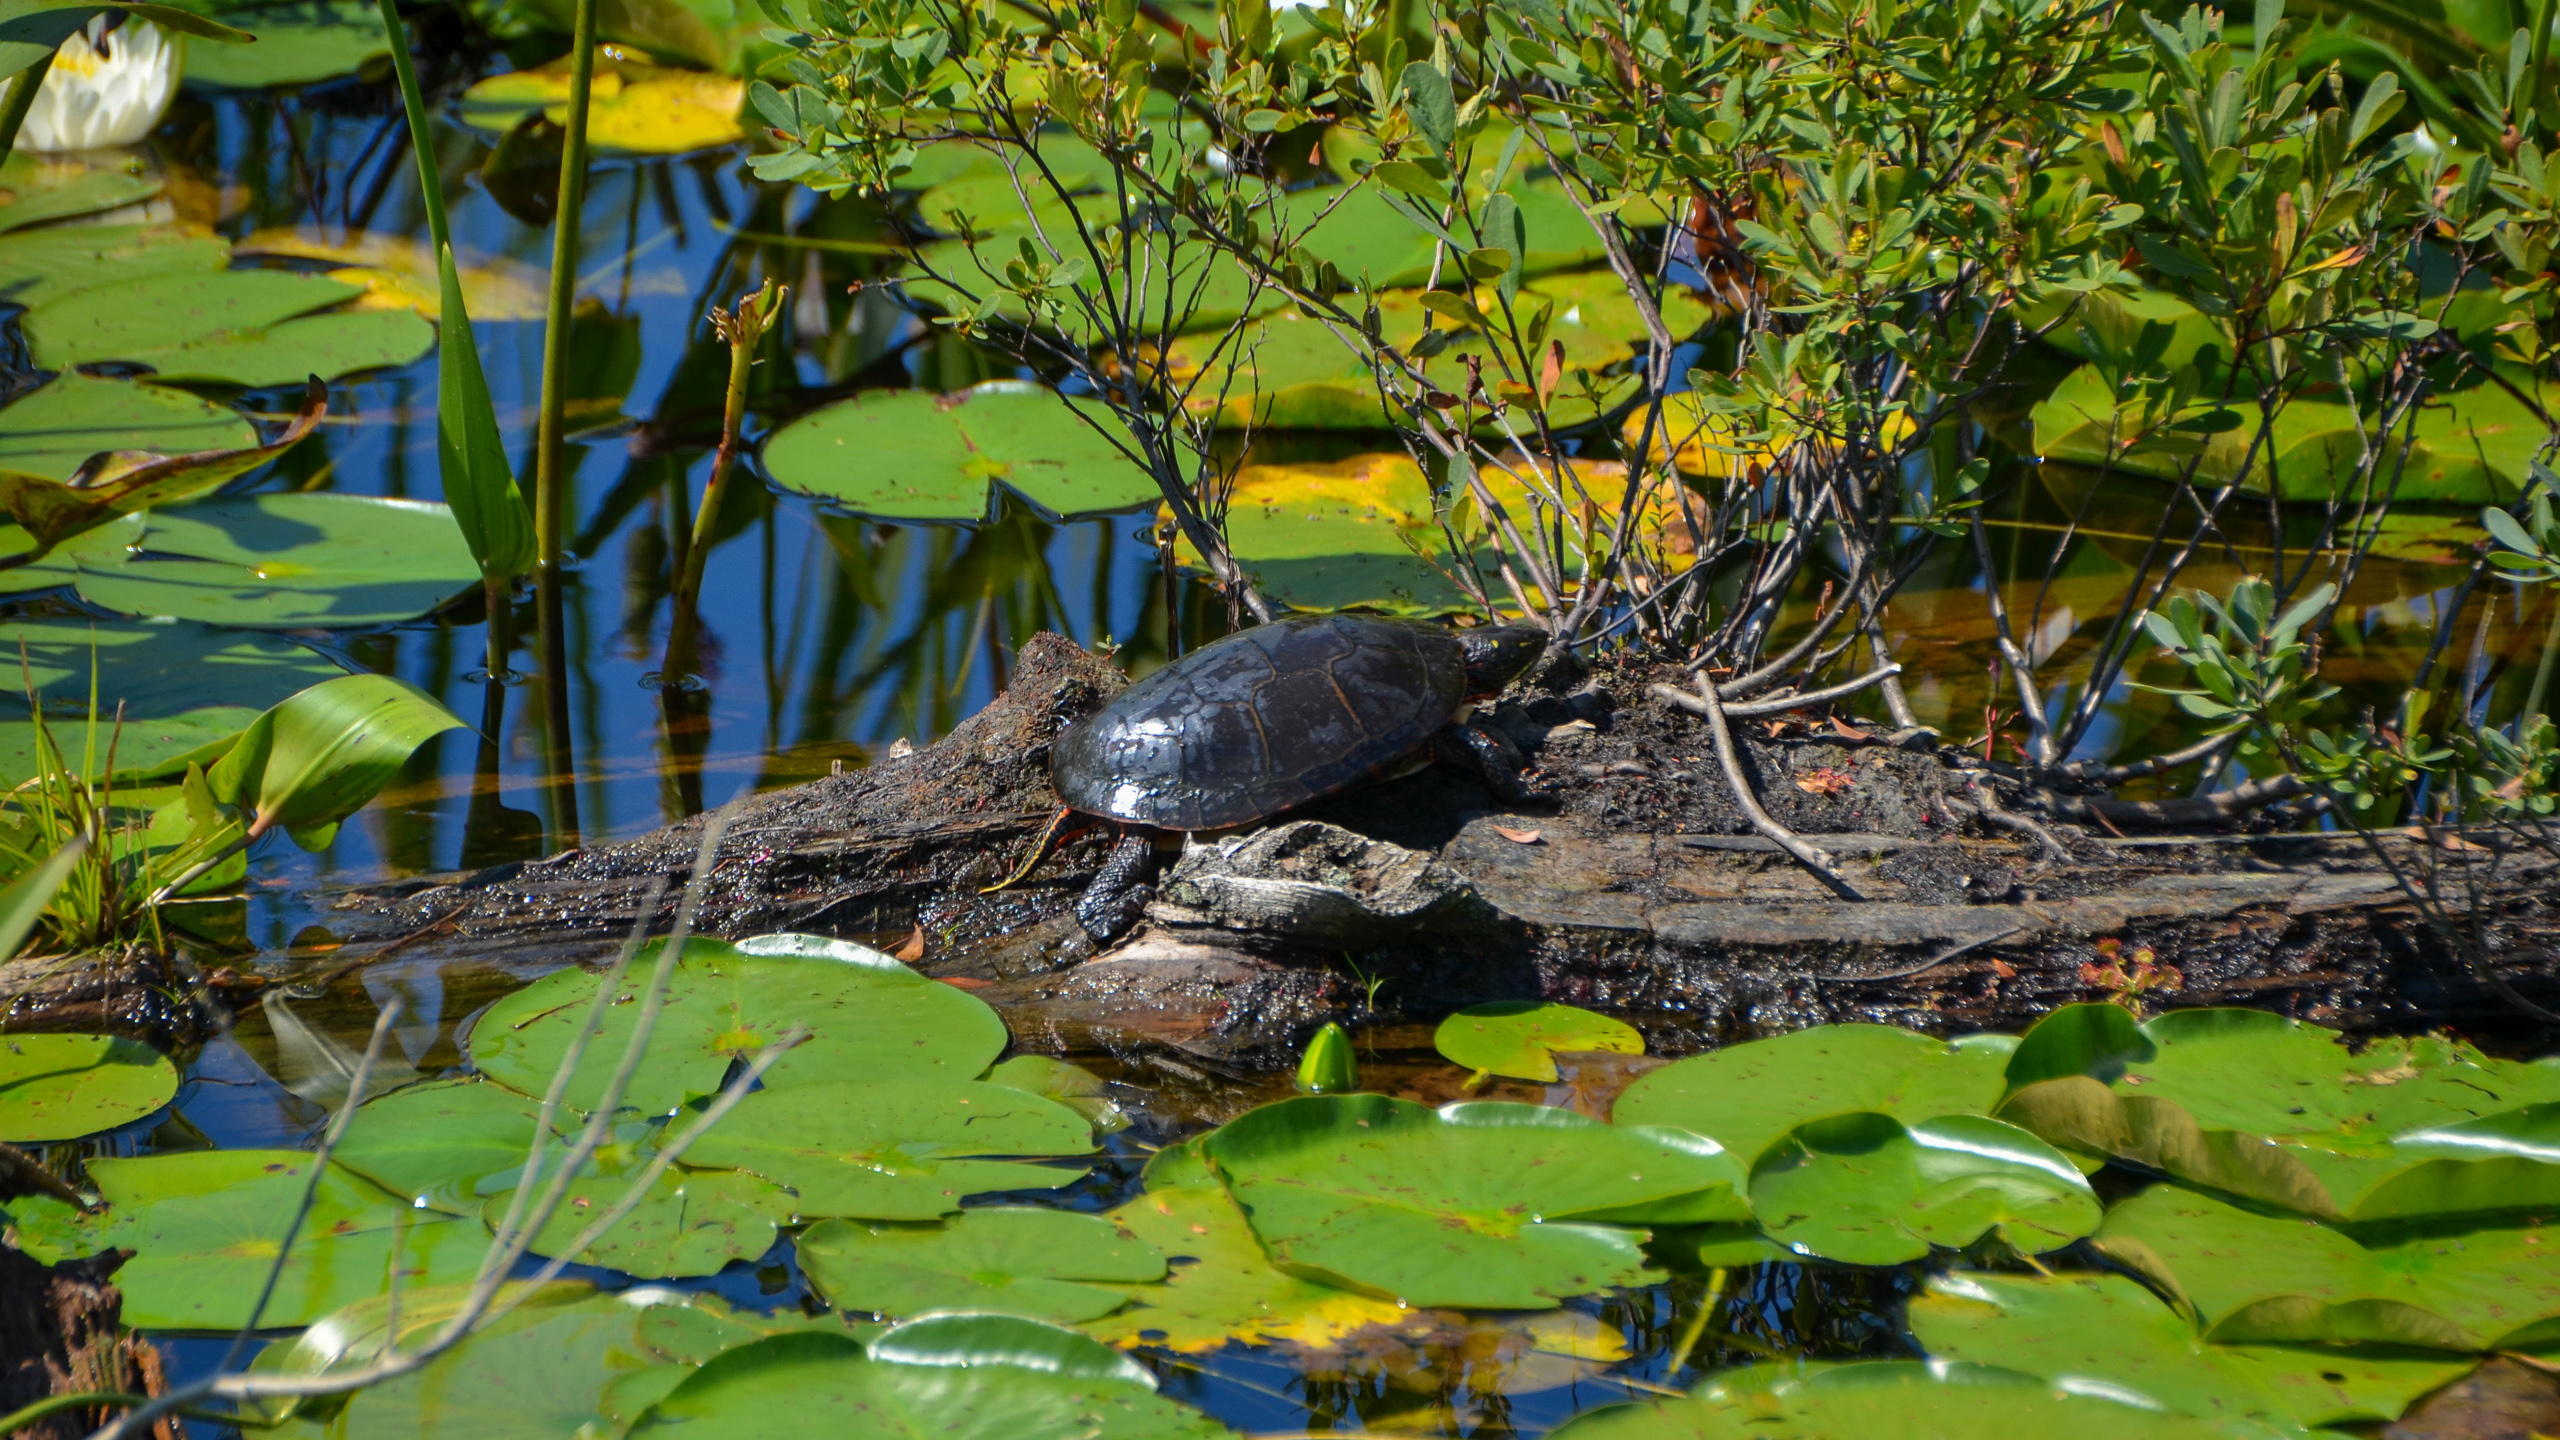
<point x="1823" y="780"/>
<point x="1847" y="730"/>
<point x="1516" y="837"/>
<point x="913" y="950"/>
<point x="963" y="982"/>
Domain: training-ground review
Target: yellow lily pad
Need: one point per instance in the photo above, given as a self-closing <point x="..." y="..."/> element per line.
<point x="399" y="273"/>
<point x="1221" y="1286"/>
<point x="635" y="107"/>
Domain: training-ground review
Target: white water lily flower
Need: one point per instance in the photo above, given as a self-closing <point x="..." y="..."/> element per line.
<point x="107" y="87"/>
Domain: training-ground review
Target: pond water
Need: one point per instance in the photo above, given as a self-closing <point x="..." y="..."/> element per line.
<point x="830" y="637"/>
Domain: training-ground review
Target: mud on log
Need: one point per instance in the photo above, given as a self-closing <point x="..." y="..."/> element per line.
<point x="1643" y="892"/>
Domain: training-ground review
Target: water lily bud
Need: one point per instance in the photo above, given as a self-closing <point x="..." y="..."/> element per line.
<point x="1328" y="1067"/>
<point x="108" y="86"/>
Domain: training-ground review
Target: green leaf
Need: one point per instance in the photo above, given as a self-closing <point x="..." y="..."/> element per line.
<point x="690" y="1222"/>
<point x="1328" y="1065"/>
<point x="41" y="265"/>
<point x="998" y="1393"/>
<point x="1748" y="1095"/>
<point x="24" y="902"/>
<point x="123" y="482"/>
<point x="1426" y="96"/>
<point x="55" y="429"/>
<point x="1050" y="1264"/>
<point x="1520" y="1038"/>
<point x="905" y="454"/>
<point x="2096" y="1040"/>
<point x="896" y="1149"/>
<point x="321" y="755"/>
<point x="1866" y="1190"/>
<point x="1221" y="1286"/>
<point x="1073" y="1086"/>
<point x="298" y="43"/>
<point x="34" y="190"/>
<point x="284" y="562"/>
<point x="2107" y="1330"/>
<point x="184" y="690"/>
<point x="1435" y="1207"/>
<point x="436" y="1143"/>
<point x="471" y="454"/>
<point x="61" y="1087"/>
<point x="1882" y="1400"/>
<point x="236" y="326"/>
<point x="869" y="1018"/>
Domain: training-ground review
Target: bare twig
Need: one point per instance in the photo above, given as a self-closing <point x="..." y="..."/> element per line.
<point x="1779" y="705"/>
<point x="1822" y="865"/>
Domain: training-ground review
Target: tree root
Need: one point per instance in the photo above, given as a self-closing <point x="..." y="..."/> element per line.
<point x="1824" y="868"/>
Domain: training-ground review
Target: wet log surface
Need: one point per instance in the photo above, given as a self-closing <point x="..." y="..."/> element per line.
<point x="1640" y="891"/>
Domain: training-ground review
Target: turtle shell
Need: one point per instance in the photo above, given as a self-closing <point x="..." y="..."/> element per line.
<point x="1262" y="721"/>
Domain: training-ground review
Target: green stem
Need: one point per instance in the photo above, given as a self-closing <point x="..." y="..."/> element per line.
<point x="2541" y="689"/>
<point x="550" y="480"/>
<point x="500" y="604"/>
<point x="17" y="1420"/>
<point x="430" y="182"/>
<point x="684" y="626"/>
<point x="22" y="98"/>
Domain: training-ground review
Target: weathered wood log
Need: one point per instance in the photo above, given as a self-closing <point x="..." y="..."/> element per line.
<point x="62" y="1330"/>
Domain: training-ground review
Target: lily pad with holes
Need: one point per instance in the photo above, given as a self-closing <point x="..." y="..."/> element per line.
<point x="1865" y="1189"/>
<point x="908" y="455"/>
<point x="61" y="1087"/>
<point x="184" y="691"/>
<point x="1886" y="1400"/>
<point x="1220" y="1287"/>
<point x="241" y="327"/>
<point x="906" y="1149"/>
<point x="867" y="1016"/>
<point x="441" y="1143"/>
<point x="1049" y="1264"/>
<point x="56" y="428"/>
<point x="1520" y="1038"/>
<point x="1495" y="1205"/>
<point x="1748" y="1095"/>
<point x="2093" y="1330"/>
<point x="286" y="562"/>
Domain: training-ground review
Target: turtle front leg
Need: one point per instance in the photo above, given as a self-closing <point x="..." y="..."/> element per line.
<point x="1471" y="747"/>
<point x="1120" y="890"/>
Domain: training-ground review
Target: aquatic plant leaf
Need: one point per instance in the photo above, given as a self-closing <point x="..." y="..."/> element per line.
<point x="34" y="189"/>
<point x="42" y="265"/>
<point x="1520" y="1038"/>
<point x="2258" y="1279"/>
<point x="61" y="1087"/>
<point x="126" y="319"/>
<point x="356" y="1334"/>
<point x="2096" y="1040"/>
<point x="401" y="271"/>
<point x="1883" y="1400"/>
<point x="904" y="1149"/>
<point x="1050" y="1264"/>
<point x="122" y="482"/>
<point x="324" y="753"/>
<point x="207" y="1226"/>
<point x="23" y="904"/>
<point x="1220" y="1285"/>
<point x="1748" y="1095"/>
<point x="1327" y="1065"/>
<point x="186" y="691"/>
<point x="437" y="1143"/>
<point x="285" y="562"/>
<point x="973" y="1393"/>
<point x="689" y="1334"/>
<point x="1469" y="1204"/>
<point x="340" y="343"/>
<point x="1073" y="1086"/>
<point x="908" y="455"/>
<point x="1703" y="1248"/>
<point x="692" y="1222"/>
<point x="633" y="107"/>
<point x="868" y="1017"/>
<point x="299" y="42"/>
<point x="1866" y="1190"/>
<point x="471" y="454"/>
<point x="2106" y="1334"/>
<point x="52" y="431"/>
<point x="1179" y="1166"/>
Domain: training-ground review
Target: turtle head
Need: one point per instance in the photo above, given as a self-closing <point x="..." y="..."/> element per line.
<point x="1497" y="654"/>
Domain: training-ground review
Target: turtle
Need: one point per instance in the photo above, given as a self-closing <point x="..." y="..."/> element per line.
<point x="1268" y="719"/>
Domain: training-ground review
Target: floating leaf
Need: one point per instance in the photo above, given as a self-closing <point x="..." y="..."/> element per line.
<point x="1470" y="1204"/>
<point x="2258" y="1279"/>
<point x="642" y="109"/>
<point x="437" y="1142"/>
<point x="691" y="1222"/>
<point x="2092" y="1331"/>
<point x="1748" y="1095"/>
<point x="868" y="1017"/>
<point x="41" y="265"/>
<point x="54" y="430"/>
<point x="907" y="455"/>
<point x="123" y="482"/>
<point x="184" y="690"/>
<point x="400" y="272"/>
<point x="1865" y="1189"/>
<point x="242" y="327"/>
<point x="1884" y="1400"/>
<point x="61" y="1087"/>
<point x="1049" y="1264"/>
<point x="1073" y="1086"/>
<point x="1520" y="1038"/>
<point x="1220" y="1286"/>
<point x="298" y="43"/>
<point x="903" y="1149"/>
<point x="287" y="562"/>
<point x="207" y="1226"/>
<point x="34" y="189"/>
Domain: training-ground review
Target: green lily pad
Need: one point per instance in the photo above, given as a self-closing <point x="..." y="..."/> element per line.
<point x="436" y="1143"/>
<point x="692" y="1222"/>
<point x="166" y="678"/>
<point x="37" y="188"/>
<point x="1520" y="1038"/>
<point x="298" y="43"/>
<point x="1000" y="1382"/>
<point x="43" y="265"/>
<point x="291" y="561"/>
<point x="1867" y="1190"/>
<point x="207" y="1226"/>
<point x="1884" y="1400"/>
<point x="1748" y="1095"/>
<point x="2259" y="1279"/>
<point x="61" y="1087"/>
<point x="1221" y="1287"/>
<point x="906" y="1149"/>
<point x="868" y="1017"/>
<point x="1470" y="1204"/>
<point x="907" y="455"/>
<point x="1073" y="1086"/>
<point x="1048" y="1264"/>
<point x="55" y="429"/>
<point x="2107" y="1334"/>
<point x="241" y="327"/>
